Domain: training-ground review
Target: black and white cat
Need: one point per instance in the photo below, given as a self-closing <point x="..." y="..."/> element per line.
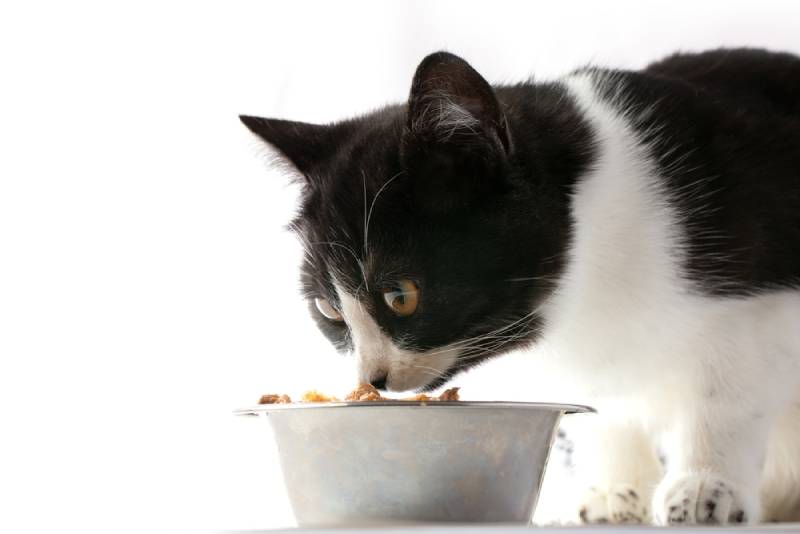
<point x="637" y="232"/>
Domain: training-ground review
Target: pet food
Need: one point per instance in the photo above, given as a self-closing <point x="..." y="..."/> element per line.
<point x="364" y="392"/>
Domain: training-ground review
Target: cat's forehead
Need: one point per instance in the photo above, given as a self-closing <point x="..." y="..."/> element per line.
<point x="355" y="259"/>
<point x="359" y="205"/>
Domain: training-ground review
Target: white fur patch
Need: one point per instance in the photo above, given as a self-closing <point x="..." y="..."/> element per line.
<point x="377" y="355"/>
<point x="632" y="336"/>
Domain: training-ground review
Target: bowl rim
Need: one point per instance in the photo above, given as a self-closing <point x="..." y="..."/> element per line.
<point x="265" y="409"/>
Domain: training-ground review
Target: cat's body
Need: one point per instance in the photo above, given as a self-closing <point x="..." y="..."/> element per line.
<point x="668" y="310"/>
<point x="638" y="231"/>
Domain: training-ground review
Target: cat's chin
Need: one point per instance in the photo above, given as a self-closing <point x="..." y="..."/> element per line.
<point x="435" y="384"/>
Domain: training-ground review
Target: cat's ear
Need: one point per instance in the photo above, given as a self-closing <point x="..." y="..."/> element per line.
<point x="456" y="141"/>
<point x="452" y="105"/>
<point x="302" y="144"/>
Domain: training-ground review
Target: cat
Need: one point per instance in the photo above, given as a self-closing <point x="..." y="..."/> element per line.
<point x="637" y="232"/>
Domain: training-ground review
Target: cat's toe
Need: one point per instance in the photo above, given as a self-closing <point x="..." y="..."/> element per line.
<point x="700" y="499"/>
<point x="620" y="503"/>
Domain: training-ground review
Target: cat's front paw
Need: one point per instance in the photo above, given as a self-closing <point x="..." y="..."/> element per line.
<point x="700" y="499"/>
<point x="620" y="503"/>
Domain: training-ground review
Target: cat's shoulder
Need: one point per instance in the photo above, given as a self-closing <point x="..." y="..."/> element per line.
<point x="758" y="80"/>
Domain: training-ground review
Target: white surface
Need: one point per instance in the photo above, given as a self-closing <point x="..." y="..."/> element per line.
<point x="146" y="286"/>
<point x="504" y="529"/>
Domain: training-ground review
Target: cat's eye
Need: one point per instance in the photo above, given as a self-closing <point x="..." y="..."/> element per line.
<point x="402" y="297"/>
<point x="327" y="310"/>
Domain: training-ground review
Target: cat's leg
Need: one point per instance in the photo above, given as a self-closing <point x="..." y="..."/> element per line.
<point x="715" y="455"/>
<point x="780" y="489"/>
<point x="617" y="467"/>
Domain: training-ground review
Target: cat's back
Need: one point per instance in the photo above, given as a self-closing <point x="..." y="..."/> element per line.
<point x="723" y="131"/>
<point x="754" y="77"/>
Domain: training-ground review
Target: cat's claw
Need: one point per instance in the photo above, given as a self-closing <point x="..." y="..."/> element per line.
<point x="619" y="503"/>
<point x="699" y="499"/>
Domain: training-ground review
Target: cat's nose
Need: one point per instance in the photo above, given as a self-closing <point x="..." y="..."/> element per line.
<point x="379" y="382"/>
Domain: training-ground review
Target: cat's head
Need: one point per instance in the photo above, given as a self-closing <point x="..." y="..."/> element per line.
<point x="429" y="238"/>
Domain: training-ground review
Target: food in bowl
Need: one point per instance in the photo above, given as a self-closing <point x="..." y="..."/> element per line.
<point x="274" y="399"/>
<point x="362" y="392"/>
<point x="315" y="396"/>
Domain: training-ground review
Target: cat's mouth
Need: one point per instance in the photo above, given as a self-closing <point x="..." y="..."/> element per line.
<point x="426" y="387"/>
<point x="459" y="363"/>
<point x="401" y="370"/>
<point x="447" y="375"/>
<point x="396" y="369"/>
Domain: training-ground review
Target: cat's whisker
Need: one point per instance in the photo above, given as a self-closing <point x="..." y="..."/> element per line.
<point x="345" y="247"/>
<point x="366" y="217"/>
<point x="479" y="343"/>
<point x="368" y="213"/>
<point x="500" y="329"/>
<point x="433" y="370"/>
<point x="489" y="349"/>
<point x="530" y="278"/>
<point x="493" y="343"/>
<point x="474" y="343"/>
<point x="430" y="374"/>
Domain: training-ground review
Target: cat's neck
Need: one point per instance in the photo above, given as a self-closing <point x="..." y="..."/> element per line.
<point x="552" y="141"/>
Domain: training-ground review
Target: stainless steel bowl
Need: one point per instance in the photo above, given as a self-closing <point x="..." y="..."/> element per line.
<point x="350" y="464"/>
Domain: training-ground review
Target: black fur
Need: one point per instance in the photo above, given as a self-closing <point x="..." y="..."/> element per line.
<point x="478" y="213"/>
<point x="724" y="126"/>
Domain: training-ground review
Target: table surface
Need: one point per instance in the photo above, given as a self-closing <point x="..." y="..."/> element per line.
<point x="771" y="528"/>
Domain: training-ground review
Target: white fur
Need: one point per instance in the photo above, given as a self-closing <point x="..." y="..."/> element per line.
<point x="780" y="491"/>
<point x="709" y="379"/>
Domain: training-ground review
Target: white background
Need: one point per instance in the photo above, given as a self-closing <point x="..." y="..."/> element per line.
<point x="146" y="285"/>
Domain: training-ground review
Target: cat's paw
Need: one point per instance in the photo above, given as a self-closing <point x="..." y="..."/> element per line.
<point x="700" y="499"/>
<point x="620" y="503"/>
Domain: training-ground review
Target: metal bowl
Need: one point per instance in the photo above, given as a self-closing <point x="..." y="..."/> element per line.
<point x="357" y="463"/>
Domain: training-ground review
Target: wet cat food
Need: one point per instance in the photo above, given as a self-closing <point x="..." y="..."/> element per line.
<point x="362" y="393"/>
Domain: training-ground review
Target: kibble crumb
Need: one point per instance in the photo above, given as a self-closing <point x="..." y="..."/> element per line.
<point x="275" y="399"/>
